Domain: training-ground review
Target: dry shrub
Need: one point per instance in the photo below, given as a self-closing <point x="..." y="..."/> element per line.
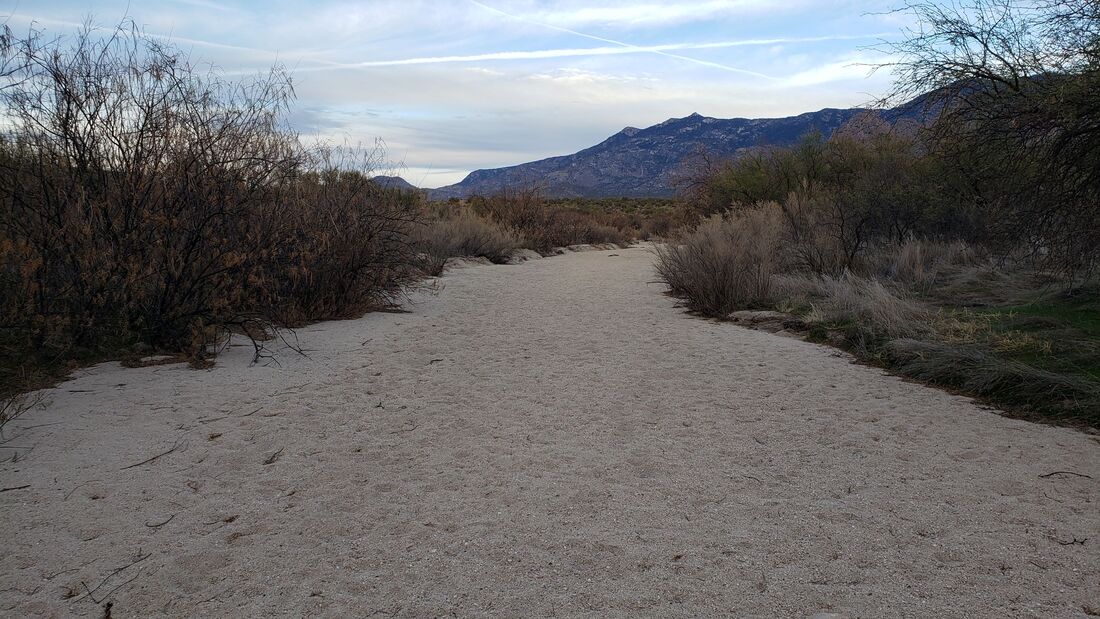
<point x="343" y="244"/>
<point x="724" y="264"/>
<point x="546" y="227"/>
<point x="14" y="405"/>
<point x="465" y="233"/>
<point x="144" y="202"/>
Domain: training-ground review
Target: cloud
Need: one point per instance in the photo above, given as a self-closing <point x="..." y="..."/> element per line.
<point x="652" y="14"/>
<point x="458" y="85"/>
<point x="593" y="51"/>
<point x="858" y="67"/>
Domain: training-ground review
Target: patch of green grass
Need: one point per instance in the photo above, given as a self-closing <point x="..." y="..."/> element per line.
<point x="1060" y="333"/>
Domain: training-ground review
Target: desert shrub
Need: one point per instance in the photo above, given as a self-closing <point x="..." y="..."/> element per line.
<point x="545" y="227"/>
<point x="464" y="233"/>
<point x="838" y="196"/>
<point x="144" y="202"/>
<point x="14" y="405"/>
<point x="343" y="244"/>
<point x="725" y="263"/>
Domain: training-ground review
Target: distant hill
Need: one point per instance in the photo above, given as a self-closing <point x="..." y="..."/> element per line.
<point x="645" y="162"/>
<point x="395" y="182"/>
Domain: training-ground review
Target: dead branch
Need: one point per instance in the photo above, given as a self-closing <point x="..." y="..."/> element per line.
<point x="1066" y="473"/>
<point x="174" y="447"/>
<point x="160" y="524"/>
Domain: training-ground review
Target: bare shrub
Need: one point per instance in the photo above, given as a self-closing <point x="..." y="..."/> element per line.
<point x="726" y="263"/>
<point x="15" y="405"/>
<point x="546" y="227"/>
<point x="344" y="243"/>
<point x="1010" y="87"/>
<point x="145" y="202"/>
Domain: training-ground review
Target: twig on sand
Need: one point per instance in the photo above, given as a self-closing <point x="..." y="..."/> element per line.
<point x="403" y="430"/>
<point x="78" y="487"/>
<point x="15" y="488"/>
<point x="160" y="524"/>
<point x="1072" y="542"/>
<point x="91" y="592"/>
<point x="273" y="457"/>
<point x="434" y="361"/>
<point x="174" y="447"/>
<point x="1066" y="473"/>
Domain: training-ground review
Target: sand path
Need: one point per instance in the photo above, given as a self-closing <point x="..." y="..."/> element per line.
<point x="551" y="438"/>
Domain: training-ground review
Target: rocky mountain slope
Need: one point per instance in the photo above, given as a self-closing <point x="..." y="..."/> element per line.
<point x="646" y="162"/>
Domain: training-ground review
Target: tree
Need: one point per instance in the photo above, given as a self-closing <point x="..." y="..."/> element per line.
<point x="1010" y="88"/>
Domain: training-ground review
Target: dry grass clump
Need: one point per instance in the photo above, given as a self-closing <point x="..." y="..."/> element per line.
<point x="868" y="309"/>
<point x="465" y="233"/>
<point x="986" y="374"/>
<point x="724" y="264"/>
<point x="922" y="264"/>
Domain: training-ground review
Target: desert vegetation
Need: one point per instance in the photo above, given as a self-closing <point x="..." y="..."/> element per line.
<point x="958" y="248"/>
<point x="148" y="205"/>
<point x="495" y="226"/>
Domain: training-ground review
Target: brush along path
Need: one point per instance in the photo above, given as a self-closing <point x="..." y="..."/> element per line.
<point x="554" y="437"/>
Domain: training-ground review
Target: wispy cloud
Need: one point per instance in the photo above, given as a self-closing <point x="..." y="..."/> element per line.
<point x="624" y="45"/>
<point x="458" y="85"/>
<point x="651" y="14"/>
<point x="592" y="51"/>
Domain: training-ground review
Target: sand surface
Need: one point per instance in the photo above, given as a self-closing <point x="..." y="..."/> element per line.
<point x="551" y="438"/>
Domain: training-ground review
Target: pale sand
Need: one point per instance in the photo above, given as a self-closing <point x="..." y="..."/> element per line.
<point x="554" y="437"/>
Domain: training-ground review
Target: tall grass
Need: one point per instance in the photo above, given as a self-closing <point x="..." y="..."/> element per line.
<point x="464" y="233"/>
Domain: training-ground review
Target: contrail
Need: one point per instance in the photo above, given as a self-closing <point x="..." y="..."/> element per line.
<point x="623" y="44"/>
<point x="585" y="51"/>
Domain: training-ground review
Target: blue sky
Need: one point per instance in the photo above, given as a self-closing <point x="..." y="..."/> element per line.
<point x="453" y="86"/>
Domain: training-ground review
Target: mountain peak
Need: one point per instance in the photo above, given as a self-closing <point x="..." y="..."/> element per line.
<point x="393" y="182"/>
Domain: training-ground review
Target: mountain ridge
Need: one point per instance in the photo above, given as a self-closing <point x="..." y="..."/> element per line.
<point x="644" y="162"/>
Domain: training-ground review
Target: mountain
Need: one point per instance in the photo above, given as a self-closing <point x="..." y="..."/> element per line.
<point x="645" y="162"/>
<point x="394" y="182"/>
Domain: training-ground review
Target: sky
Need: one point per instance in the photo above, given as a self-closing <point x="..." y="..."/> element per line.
<point x="458" y="85"/>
